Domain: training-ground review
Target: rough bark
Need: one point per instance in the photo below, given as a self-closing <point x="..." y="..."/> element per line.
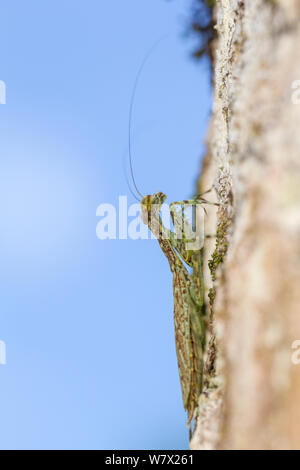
<point x="251" y="400"/>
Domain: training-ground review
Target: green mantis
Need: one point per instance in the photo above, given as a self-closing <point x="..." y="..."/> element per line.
<point x="188" y="291"/>
<point x="186" y="264"/>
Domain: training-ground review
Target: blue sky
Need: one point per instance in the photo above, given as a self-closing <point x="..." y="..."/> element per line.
<point x="88" y="323"/>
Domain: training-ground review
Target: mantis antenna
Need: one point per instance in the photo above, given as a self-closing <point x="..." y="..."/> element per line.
<point x="127" y="179"/>
<point x="131" y="110"/>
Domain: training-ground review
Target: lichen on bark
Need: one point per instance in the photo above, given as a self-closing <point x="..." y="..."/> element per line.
<point x="253" y="266"/>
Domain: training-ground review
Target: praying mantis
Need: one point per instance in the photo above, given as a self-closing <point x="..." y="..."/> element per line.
<point x="186" y="264"/>
<point x="188" y="292"/>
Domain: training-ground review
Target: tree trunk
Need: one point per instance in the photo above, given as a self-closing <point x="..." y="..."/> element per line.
<point x="253" y="380"/>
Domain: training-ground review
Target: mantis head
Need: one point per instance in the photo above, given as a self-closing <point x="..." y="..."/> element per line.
<point x="150" y="206"/>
